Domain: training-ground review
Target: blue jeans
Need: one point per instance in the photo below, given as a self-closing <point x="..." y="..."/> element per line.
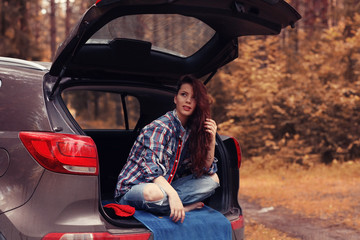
<point x="190" y="190"/>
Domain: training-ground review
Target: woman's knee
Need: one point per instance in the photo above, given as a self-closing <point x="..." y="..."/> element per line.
<point x="152" y="192"/>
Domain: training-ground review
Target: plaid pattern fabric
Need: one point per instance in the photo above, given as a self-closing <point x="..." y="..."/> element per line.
<point x="153" y="153"/>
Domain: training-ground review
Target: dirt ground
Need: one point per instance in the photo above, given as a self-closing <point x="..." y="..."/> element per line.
<point x="295" y="203"/>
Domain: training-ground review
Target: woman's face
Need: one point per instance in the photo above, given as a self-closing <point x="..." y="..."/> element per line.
<point x="185" y="102"/>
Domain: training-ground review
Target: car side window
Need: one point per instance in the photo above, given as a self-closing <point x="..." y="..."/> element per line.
<point x="102" y="110"/>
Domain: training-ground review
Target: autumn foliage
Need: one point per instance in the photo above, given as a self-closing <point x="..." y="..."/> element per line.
<point x="297" y="104"/>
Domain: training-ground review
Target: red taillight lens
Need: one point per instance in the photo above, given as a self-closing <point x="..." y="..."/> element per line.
<point x="96" y="236"/>
<point x="62" y="153"/>
<point x="238" y="223"/>
<point x="238" y="151"/>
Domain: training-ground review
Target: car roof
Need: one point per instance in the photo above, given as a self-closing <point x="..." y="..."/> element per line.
<point x="15" y="62"/>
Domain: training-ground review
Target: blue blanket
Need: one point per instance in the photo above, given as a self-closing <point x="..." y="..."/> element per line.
<point x="205" y="223"/>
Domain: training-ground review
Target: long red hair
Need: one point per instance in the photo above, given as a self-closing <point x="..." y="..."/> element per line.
<point x="199" y="140"/>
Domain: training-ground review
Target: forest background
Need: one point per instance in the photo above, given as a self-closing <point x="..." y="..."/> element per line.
<point x="294" y="97"/>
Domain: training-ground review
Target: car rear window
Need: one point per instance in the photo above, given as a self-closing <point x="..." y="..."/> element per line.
<point x="169" y="33"/>
<point x="102" y="110"/>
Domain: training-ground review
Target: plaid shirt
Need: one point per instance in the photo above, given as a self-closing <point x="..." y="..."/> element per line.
<point x="156" y="152"/>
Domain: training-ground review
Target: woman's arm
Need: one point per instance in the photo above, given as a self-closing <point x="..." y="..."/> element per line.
<point x="211" y="127"/>
<point x="176" y="206"/>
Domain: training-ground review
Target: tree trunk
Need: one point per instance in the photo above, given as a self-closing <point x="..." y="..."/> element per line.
<point x="1" y="19"/>
<point x="52" y="28"/>
<point x="2" y="27"/>
<point x="351" y="7"/>
<point x="37" y="23"/>
<point x="67" y="18"/>
<point x="23" y="35"/>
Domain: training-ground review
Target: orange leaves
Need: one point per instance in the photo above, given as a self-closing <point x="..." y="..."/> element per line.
<point x="312" y="81"/>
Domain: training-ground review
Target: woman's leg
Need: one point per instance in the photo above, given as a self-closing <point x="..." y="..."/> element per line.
<point x="191" y="190"/>
<point x="194" y="190"/>
<point x="147" y="196"/>
<point x="152" y="192"/>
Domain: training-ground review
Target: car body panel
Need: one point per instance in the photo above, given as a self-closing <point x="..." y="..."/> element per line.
<point x="28" y="112"/>
<point x="61" y="212"/>
<point x="22" y="174"/>
<point x="22" y="102"/>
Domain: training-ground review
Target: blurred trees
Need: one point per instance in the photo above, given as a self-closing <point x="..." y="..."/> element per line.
<point x="102" y="110"/>
<point x="295" y="98"/>
<point x="53" y="31"/>
<point x="33" y="30"/>
<point x="17" y="34"/>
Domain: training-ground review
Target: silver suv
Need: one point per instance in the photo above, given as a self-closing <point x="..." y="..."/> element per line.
<point x="66" y="129"/>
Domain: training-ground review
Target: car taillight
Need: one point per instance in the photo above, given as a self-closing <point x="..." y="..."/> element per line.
<point x="238" y="151"/>
<point x="238" y="223"/>
<point x="96" y="236"/>
<point x="62" y="153"/>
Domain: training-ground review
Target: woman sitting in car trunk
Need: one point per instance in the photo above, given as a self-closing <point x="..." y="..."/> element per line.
<point x="171" y="167"/>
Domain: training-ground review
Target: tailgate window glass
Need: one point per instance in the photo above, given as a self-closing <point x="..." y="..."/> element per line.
<point x="170" y="33"/>
<point x="102" y="110"/>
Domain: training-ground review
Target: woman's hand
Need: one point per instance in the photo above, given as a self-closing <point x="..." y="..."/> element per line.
<point x="176" y="208"/>
<point x="211" y="128"/>
<point x="177" y="211"/>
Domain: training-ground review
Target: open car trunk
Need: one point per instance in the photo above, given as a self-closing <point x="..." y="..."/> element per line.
<point x="113" y="115"/>
<point x="117" y="72"/>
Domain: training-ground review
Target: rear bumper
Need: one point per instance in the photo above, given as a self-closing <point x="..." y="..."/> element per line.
<point x="237" y="225"/>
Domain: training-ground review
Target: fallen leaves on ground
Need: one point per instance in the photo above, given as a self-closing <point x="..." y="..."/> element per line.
<point x="325" y="192"/>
